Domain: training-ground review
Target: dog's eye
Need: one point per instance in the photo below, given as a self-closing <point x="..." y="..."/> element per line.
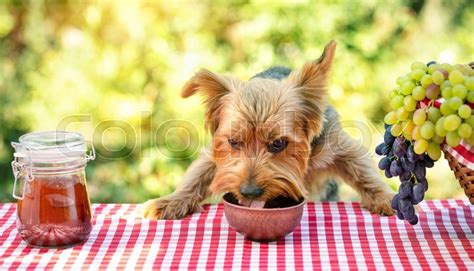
<point x="233" y="143"/>
<point x="277" y="145"/>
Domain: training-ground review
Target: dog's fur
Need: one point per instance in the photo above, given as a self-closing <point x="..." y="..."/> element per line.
<point x="276" y="104"/>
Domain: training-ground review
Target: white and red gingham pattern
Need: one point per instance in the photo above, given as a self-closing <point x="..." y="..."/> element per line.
<point x="332" y="235"/>
<point x="464" y="152"/>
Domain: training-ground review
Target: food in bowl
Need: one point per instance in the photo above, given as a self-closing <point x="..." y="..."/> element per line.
<point x="277" y="218"/>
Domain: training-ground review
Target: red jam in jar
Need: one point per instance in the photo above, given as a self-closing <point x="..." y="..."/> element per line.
<point x="53" y="207"/>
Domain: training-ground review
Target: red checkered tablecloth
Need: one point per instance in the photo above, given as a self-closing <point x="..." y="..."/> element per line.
<point x="331" y="235"/>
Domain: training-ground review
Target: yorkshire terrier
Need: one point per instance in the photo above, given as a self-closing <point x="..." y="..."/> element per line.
<point x="273" y="136"/>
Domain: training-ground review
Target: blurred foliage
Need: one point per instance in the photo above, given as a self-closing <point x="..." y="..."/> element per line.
<point x="113" y="71"/>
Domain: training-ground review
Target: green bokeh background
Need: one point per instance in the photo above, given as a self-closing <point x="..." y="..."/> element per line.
<point x="113" y="70"/>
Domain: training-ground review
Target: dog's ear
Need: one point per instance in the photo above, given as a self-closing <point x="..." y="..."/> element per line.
<point x="208" y="83"/>
<point x="311" y="81"/>
<point x="213" y="87"/>
<point x="312" y="77"/>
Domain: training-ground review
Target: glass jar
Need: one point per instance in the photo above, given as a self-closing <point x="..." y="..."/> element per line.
<point x="53" y="207"/>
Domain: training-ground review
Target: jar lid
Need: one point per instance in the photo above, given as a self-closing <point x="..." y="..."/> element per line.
<point x="51" y="147"/>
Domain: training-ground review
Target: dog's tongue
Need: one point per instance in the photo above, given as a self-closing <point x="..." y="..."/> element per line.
<point x="258" y="204"/>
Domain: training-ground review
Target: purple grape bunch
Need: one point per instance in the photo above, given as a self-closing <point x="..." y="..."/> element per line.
<point x="401" y="160"/>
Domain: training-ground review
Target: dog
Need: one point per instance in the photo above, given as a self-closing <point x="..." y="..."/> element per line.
<point x="272" y="136"/>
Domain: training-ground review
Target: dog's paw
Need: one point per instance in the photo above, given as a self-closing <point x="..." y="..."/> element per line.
<point x="164" y="208"/>
<point x="152" y="209"/>
<point x="380" y="204"/>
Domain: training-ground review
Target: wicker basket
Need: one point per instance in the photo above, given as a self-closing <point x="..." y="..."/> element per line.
<point x="464" y="175"/>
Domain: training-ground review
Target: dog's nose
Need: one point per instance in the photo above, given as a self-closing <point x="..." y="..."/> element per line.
<point x="251" y="191"/>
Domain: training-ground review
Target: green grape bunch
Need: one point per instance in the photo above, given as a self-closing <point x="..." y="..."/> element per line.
<point x="427" y="127"/>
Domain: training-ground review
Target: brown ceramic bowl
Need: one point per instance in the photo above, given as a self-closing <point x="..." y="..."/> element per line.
<point x="264" y="225"/>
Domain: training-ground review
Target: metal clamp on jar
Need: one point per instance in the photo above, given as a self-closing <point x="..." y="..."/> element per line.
<point x="53" y="204"/>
